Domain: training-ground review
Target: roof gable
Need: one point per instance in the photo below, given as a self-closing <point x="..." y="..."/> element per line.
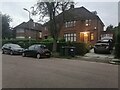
<point x="30" y="25"/>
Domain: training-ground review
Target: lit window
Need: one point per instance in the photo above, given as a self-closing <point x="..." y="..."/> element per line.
<point x="92" y="36"/>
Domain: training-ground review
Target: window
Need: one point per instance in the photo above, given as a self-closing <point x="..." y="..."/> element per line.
<point x="70" y="37"/>
<point x="20" y="37"/>
<point x="34" y="24"/>
<point x="31" y="47"/>
<point x="20" y="31"/>
<point x="88" y="22"/>
<point x="74" y="23"/>
<point x="45" y="28"/>
<point x="40" y="34"/>
<point x="70" y="24"/>
<point x="74" y="37"/>
<point x="92" y="36"/>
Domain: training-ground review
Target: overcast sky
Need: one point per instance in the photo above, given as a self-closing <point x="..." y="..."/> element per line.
<point x="107" y="11"/>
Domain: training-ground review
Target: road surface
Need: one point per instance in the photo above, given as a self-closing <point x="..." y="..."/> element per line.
<point x="26" y="72"/>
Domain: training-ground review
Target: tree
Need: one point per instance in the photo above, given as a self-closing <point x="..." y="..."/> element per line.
<point x="109" y="28"/>
<point x="52" y="9"/>
<point x="6" y="32"/>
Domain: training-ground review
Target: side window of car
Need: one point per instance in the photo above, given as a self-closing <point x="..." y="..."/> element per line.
<point x="6" y="46"/>
<point x="37" y="47"/>
<point x="31" y="48"/>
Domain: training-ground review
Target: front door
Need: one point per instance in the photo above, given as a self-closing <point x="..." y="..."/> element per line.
<point x="84" y="36"/>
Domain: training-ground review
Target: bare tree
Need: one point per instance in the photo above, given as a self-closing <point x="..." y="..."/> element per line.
<point x="51" y="10"/>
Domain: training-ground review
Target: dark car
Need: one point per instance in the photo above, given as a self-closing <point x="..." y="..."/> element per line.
<point x="104" y="46"/>
<point x="37" y="51"/>
<point x="12" y="49"/>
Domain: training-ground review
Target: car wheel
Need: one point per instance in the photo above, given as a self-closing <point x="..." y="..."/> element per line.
<point x="110" y="51"/>
<point x="38" y="56"/>
<point x="23" y="54"/>
<point x="11" y="52"/>
<point x="48" y="56"/>
<point x="3" y="52"/>
<point x="95" y="51"/>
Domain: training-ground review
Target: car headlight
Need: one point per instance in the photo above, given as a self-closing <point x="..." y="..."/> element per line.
<point x="107" y="47"/>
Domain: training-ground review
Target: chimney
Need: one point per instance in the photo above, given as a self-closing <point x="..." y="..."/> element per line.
<point x="94" y="12"/>
<point x="72" y="5"/>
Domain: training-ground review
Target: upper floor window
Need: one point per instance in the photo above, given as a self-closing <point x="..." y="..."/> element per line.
<point x="20" y="31"/>
<point x="70" y="24"/>
<point x="33" y="24"/>
<point x="45" y="28"/>
<point x="88" y="22"/>
<point x="40" y="34"/>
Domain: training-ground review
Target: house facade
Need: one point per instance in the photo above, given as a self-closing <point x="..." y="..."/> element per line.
<point x="80" y="25"/>
<point x="28" y="30"/>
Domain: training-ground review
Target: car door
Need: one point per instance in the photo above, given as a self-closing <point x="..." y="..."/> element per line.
<point x="31" y="50"/>
<point x="4" y="48"/>
<point x="7" y="48"/>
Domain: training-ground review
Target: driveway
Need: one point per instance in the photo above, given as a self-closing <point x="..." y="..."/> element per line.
<point x="26" y="72"/>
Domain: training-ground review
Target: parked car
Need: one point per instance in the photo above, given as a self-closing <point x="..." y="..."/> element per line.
<point x="37" y="51"/>
<point x="12" y="49"/>
<point x="104" y="46"/>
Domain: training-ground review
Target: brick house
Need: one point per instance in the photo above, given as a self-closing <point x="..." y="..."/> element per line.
<point x="27" y="30"/>
<point x="80" y="25"/>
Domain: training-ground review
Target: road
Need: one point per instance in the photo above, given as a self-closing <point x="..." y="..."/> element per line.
<point x="26" y="72"/>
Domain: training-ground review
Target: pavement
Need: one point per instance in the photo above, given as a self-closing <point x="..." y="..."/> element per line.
<point x="26" y="72"/>
<point x="105" y="58"/>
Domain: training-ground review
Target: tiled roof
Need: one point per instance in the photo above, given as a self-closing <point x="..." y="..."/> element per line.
<point x="80" y="13"/>
<point x="30" y="25"/>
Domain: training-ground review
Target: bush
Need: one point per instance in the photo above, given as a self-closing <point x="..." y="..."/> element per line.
<point x="117" y="45"/>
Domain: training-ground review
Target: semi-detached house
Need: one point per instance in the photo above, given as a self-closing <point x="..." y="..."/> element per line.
<point x="80" y="25"/>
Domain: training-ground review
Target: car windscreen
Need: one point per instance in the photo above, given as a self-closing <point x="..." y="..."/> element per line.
<point x="105" y="41"/>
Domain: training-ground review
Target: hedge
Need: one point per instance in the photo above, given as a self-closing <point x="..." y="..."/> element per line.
<point x="117" y="44"/>
<point x="80" y="48"/>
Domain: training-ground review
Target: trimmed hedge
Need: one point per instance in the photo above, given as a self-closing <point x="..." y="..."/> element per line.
<point x="80" y="48"/>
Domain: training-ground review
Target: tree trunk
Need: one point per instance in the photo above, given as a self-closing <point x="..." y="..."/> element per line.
<point x="54" y="46"/>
